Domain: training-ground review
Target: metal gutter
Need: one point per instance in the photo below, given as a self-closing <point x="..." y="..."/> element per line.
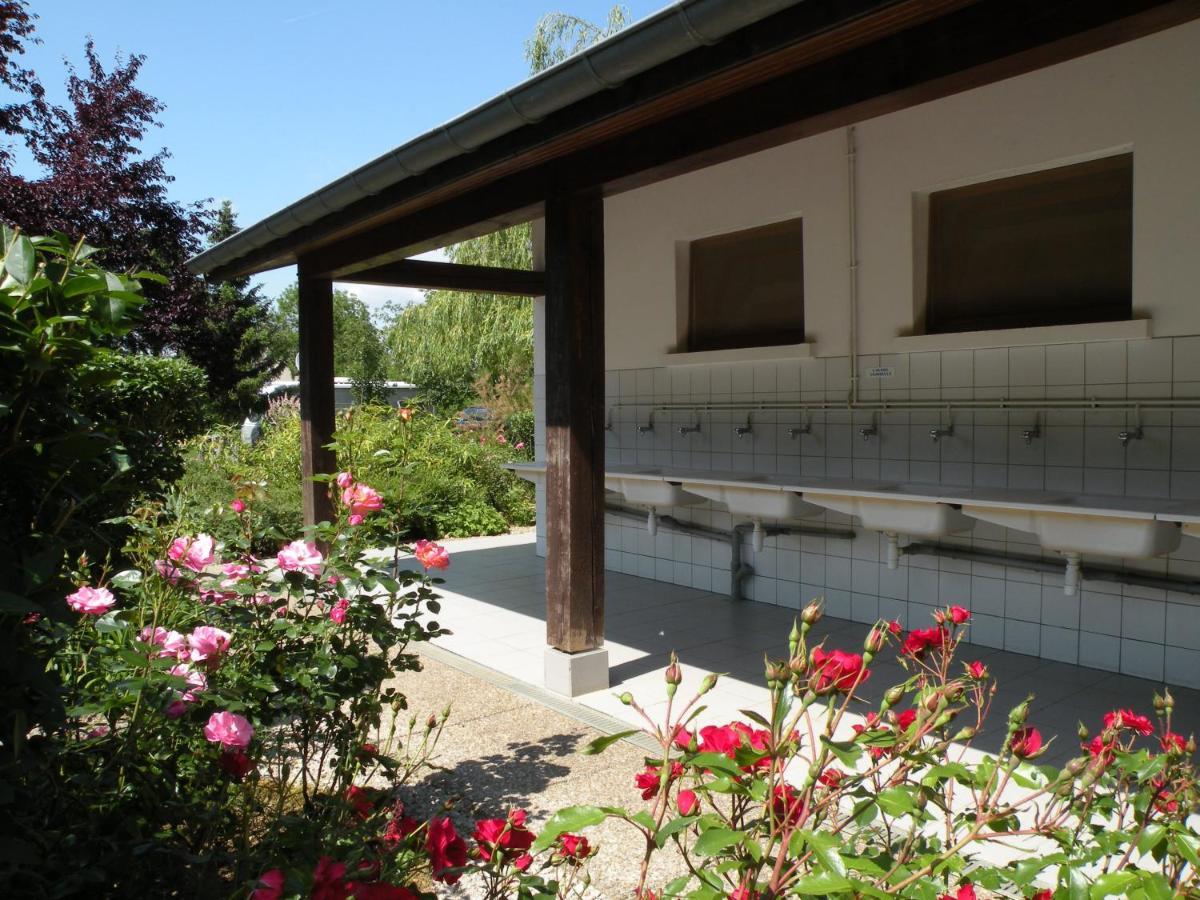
<point x="678" y="29"/>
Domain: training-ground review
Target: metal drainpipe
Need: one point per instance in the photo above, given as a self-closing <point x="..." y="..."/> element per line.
<point x="1039" y="564"/>
<point x="739" y="570"/>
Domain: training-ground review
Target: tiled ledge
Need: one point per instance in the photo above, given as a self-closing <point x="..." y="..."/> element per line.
<point x="1133" y="329"/>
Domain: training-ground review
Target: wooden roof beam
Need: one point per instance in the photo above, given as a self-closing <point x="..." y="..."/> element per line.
<point x="433" y="275"/>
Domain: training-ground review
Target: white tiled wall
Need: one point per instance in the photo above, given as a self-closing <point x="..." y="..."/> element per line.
<point x="1138" y="631"/>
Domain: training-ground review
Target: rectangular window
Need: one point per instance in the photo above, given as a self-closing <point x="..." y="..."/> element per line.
<point x="1049" y="248"/>
<point x="746" y="289"/>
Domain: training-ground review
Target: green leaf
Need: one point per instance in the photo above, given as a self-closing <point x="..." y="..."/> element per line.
<point x="674" y="827"/>
<point x="674" y="887"/>
<point x="600" y="744"/>
<point x="21" y="261"/>
<point x="1112" y="884"/>
<point x="847" y="751"/>
<point x="819" y="883"/>
<point x="573" y="818"/>
<point x="1079" y="884"/>
<point x="896" y="802"/>
<point x="82" y="284"/>
<point x="1151" y="835"/>
<point x="716" y="840"/>
<point x="127" y="579"/>
<point x="827" y="849"/>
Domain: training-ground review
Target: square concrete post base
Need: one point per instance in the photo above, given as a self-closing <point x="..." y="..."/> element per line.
<point x="572" y="674"/>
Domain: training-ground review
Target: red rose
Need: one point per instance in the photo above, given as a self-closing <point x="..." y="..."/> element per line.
<point x="920" y="640"/>
<point x="508" y="836"/>
<point x="1100" y="749"/>
<point x="1127" y="718"/>
<point x="688" y="802"/>
<point x="831" y="778"/>
<point x="235" y="763"/>
<point x="905" y="719"/>
<point x="650" y="778"/>
<point x="1171" y="741"/>
<point x="360" y="800"/>
<point x="269" y="886"/>
<point x="521" y="863"/>
<point x="1026" y="742"/>
<point x="966" y="892"/>
<point x="446" y="849"/>
<point x="894" y="627"/>
<point x="959" y="614"/>
<point x="839" y="671"/>
<point x="977" y="670"/>
<point x="741" y="893"/>
<point x="787" y="804"/>
<point x="574" y="846"/>
<point x="720" y="739"/>
<point x="329" y="880"/>
<point x="399" y="828"/>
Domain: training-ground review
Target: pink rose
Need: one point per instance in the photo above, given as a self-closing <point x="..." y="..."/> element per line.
<point x="98" y="732"/>
<point x="193" y="553"/>
<point x="90" y="600"/>
<point x="197" y="682"/>
<point x="300" y="556"/>
<point x="168" y="571"/>
<point x="170" y="643"/>
<point x="338" y="613"/>
<point x="362" y="500"/>
<point x="344" y="480"/>
<point x="236" y="571"/>
<point x="355" y="519"/>
<point x="431" y="555"/>
<point x="959" y="614"/>
<point x="520" y="445"/>
<point x="208" y="642"/>
<point x="501" y="439"/>
<point x="176" y="708"/>
<point x="229" y="730"/>
<point x="238" y="506"/>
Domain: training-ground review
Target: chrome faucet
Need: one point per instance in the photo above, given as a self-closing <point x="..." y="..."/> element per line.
<point x="868" y="431"/>
<point x="689" y="429"/>
<point x="936" y="434"/>
<point x="1126" y="436"/>
<point x="742" y="430"/>
<point x="1030" y="433"/>
<point x="796" y="430"/>
<point x="649" y="426"/>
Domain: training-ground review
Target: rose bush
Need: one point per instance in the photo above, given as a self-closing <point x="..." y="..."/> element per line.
<point x="800" y="800"/>
<point x="220" y="706"/>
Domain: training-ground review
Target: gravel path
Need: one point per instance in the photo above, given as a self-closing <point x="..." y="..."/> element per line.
<point x="501" y="751"/>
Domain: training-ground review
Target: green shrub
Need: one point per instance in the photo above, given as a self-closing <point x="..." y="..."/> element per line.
<point x="438" y="482"/>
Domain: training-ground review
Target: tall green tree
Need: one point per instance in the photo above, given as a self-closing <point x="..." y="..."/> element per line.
<point x="359" y="351"/>
<point x="452" y="342"/>
<point x="236" y="349"/>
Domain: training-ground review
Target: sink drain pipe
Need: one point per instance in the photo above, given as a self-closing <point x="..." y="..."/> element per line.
<point x="1110" y="574"/>
<point x="739" y="569"/>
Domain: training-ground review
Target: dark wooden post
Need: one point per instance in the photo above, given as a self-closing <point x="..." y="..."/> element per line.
<point x="316" y="393"/>
<point x="575" y="421"/>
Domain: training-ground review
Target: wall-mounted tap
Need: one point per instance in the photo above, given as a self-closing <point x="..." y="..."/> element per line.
<point x="608" y="425"/>
<point x="936" y="434"/>
<point x="796" y="430"/>
<point x="685" y="430"/>
<point x="1030" y="433"/>
<point x="742" y="430"/>
<point x="868" y="431"/>
<point x="648" y="427"/>
<point x="1130" y="435"/>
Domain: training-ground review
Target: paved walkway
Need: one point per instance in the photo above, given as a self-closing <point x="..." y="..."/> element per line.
<point x="495" y="606"/>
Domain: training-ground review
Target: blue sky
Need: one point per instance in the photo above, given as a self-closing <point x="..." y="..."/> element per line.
<point x="269" y="99"/>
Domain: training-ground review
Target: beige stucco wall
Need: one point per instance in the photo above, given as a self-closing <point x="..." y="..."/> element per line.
<point x="1143" y="96"/>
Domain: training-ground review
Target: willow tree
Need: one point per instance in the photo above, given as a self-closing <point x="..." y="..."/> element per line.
<point x="462" y="347"/>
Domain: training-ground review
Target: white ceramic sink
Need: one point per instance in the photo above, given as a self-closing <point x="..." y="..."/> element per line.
<point x="1126" y="537"/>
<point x="755" y="500"/>
<point x="895" y="516"/>
<point x="920" y="518"/>
<point x="647" y="488"/>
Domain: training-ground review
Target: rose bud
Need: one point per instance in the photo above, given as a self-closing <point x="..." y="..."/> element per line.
<point x="709" y="682"/>
<point x="1168" y="701"/>
<point x="876" y="640"/>
<point x="798" y="665"/>
<point x="1190" y="747"/>
<point x="1083" y="732"/>
<point x="893" y="696"/>
<point x="794" y="638"/>
<point x="812" y="613"/>
<point x="1019" y="714"/>
<point x="626" y="698"/>
<point x="673" y="675"/>
<point x="964" y="734"/>
<point x="431" y="723"/>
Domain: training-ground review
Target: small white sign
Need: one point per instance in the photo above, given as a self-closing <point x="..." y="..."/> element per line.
<point x="881" y="372"/>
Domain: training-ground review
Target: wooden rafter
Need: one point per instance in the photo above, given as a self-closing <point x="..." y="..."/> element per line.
<point x="433" y="275"/>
